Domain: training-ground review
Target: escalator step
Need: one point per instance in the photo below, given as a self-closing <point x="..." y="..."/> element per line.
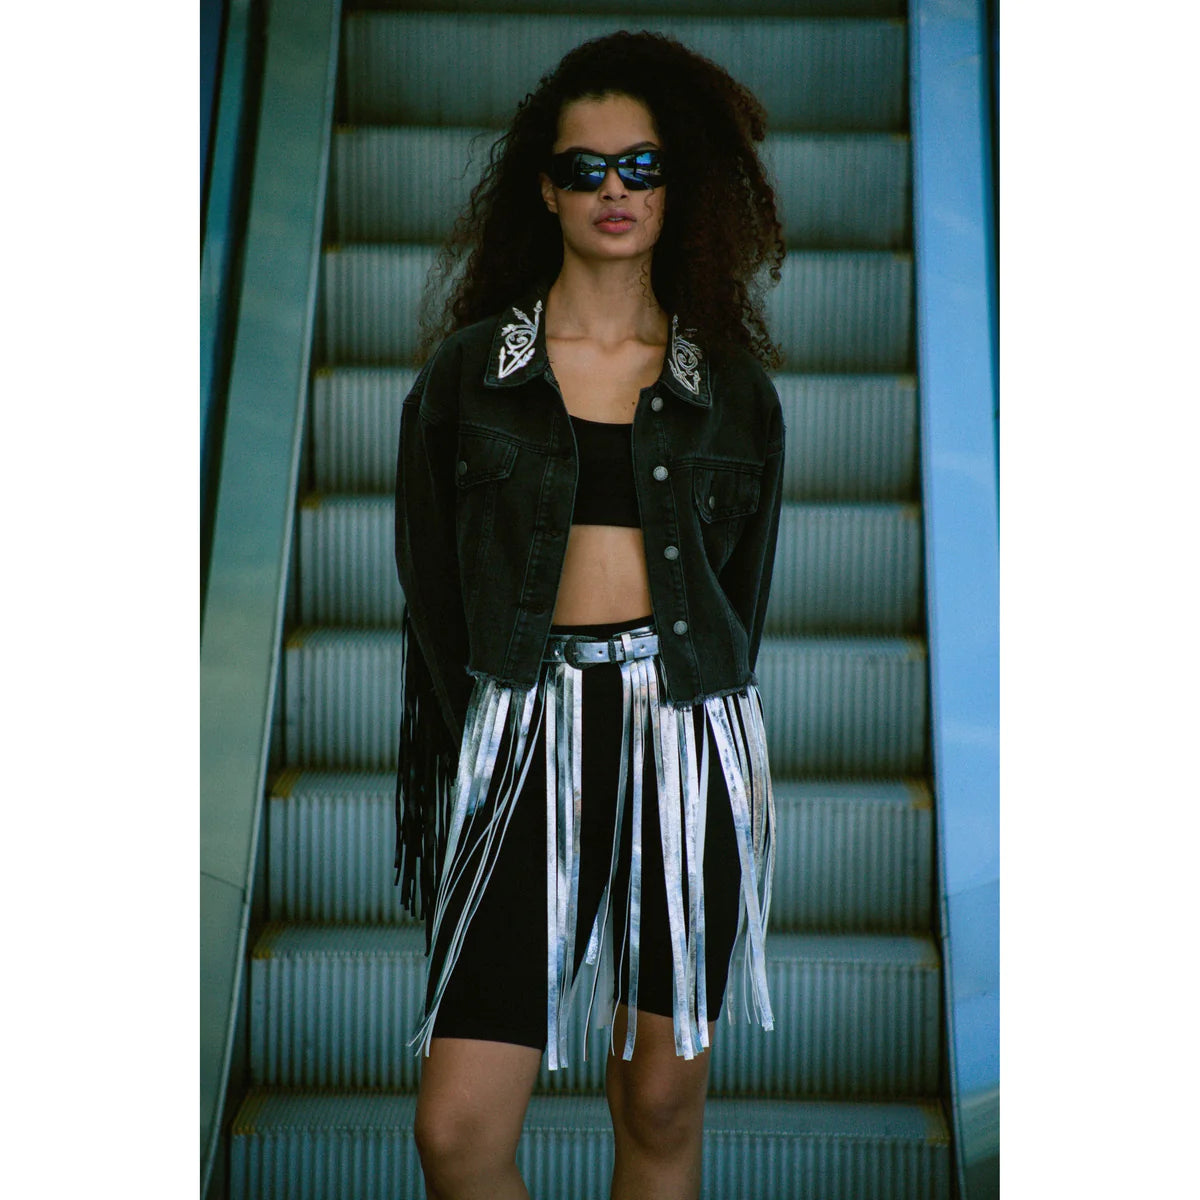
<point x="850" y="437"/>
<point x="332" y="1146"/>
<point x="407" y="68"/>
<point x="407" y="184"/>
<point x="832" y="310"/>
<point x="838" y="568"/>
<point x="834" y="706"/>
<point x="850" y="856"/>
<point x="855" y="1016"/>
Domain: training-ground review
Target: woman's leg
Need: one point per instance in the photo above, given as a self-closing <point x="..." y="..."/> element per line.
<point x="470" y="1107"/>
<point x="657" y="1105"/>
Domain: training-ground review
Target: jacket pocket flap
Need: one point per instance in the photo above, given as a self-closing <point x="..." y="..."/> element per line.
<point x="724" y="492"/>
<point x="482" y="458"/>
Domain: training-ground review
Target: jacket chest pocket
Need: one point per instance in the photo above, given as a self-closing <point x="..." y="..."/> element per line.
<point x="724" y="498"/>
<point x="482" y="466"/>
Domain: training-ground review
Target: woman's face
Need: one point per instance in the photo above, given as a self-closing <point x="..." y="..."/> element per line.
<point x="615" y="221"/>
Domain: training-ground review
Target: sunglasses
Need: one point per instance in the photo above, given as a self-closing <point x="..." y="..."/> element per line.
<point x="583" y="171"/>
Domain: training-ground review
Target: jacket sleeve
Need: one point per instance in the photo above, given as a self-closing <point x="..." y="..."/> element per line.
<point x="426" y="542"/>
<point x="746" y="577"/>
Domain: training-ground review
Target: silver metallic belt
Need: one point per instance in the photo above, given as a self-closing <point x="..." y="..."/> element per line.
<point x="580" y="650"/>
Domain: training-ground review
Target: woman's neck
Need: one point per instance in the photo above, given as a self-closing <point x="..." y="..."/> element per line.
<point x="605" y="302"/>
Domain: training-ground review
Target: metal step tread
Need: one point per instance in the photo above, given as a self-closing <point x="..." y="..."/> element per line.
<point x="833" y="310"/>
<point x="903" y="649"/>
<point x="294" y="939"/>
<point x="852" y="856"/>
<point x="809" y="72"/>
<point x="266" y="1110"/>
<point x="301" y="782"/>
<point x="856" y="1016"/>
<point x="820" y="509"/>
<point x="407" y="183"/>
<point x="841" y="706"/>
<point x="851" y="566"/>
<point x="754" y="8"/>
<point x="850" y="437"/>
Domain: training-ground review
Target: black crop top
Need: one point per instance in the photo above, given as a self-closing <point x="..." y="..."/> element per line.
<point x="606" y="493"/>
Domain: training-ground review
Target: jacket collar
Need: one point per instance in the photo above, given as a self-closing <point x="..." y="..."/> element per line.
<point x="518" y="353"/>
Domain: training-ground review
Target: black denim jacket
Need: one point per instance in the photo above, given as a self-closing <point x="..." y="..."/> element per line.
<point x="485" y="489"/>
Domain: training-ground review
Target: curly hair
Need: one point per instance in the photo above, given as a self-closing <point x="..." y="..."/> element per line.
<point x="720" y="227"/>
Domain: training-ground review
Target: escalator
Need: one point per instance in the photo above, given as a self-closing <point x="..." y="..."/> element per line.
<point x="848" y="1096"/>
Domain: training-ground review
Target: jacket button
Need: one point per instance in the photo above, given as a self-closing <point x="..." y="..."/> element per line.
<point x="656" y="404"/>
<point x="462" y="468"/>
<point x="660" y="473"/>
<point x="671" y="553"/>
<point x="712" y="502"/>
<point x="680" y="627"/>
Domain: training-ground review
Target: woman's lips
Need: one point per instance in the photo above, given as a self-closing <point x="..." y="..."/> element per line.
<point x="616" y="222"/>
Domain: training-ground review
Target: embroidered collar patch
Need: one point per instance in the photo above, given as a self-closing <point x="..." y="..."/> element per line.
<point x="520" y="341"/>
<point x="684" y="359"/>
<point x="518" y="353"/>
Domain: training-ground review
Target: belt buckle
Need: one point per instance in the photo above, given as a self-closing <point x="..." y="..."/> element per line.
<point x="570" y="653"/>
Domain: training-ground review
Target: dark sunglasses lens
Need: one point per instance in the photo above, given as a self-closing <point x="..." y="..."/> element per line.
<point x="642" y="170"/>
<point x="585" y="172"/>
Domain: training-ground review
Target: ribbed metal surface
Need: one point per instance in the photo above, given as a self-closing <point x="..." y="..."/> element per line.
<point x="853" y="856"/>
<point x="356" y="427"/>
<point x="841" y="191"/>
<point x="853" y="706"/>
<point x="334" y="1005"/>
<point x="847" y="191"/>
<point x="342" y="698"/>
<point x="847" y="569"/>
<point x="837" y="311"/>
<point x="844" y="706"/>
<point x="332" y="838"/>
<point x="810" y="74"/>
<point x="750" y="8"/>
<point x="404" y="184"/>
<point x="838" y="568"/>
<point x="850" y="437"/>
<point x="371" y="302"/>
<point x="307" y="1146"/>
<point x="855" y="1016"/>
<point x="826" y="1152"/>
<point x="831" y="312"/>
<point x="348" y="572"/>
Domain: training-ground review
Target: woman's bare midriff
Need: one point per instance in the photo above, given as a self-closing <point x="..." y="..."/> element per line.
<point x="604" y="576"/>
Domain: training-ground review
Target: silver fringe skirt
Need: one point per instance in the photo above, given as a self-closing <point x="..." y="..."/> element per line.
<point x="500" y="738"/>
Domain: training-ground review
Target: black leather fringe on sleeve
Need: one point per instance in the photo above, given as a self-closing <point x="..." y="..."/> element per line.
<point x="426" y="767"/>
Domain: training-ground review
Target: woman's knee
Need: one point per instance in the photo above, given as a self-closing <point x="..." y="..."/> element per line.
<point x="456" y="1142"/>
<point x="470" y="1107"/>
<point x="658" y="1099"/>
<point x="656" y="1115"/>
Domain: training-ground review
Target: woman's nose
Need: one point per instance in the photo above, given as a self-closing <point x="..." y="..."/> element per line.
<point x="614" y="185"/>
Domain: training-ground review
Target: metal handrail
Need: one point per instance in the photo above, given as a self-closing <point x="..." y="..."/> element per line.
<point x="956" y="370"/>
<point x="243" y="616"/>
<point x="232" y="153"/>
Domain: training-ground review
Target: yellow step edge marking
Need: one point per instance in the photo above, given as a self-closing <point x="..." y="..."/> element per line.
<point x="920" y="796"/>
<point x="283" y="785"/>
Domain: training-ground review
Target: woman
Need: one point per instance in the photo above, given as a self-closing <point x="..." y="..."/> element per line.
<point x="588" y="493"/>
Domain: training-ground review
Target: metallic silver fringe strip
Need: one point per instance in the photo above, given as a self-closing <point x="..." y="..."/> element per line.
<point x="506" y="716"/>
